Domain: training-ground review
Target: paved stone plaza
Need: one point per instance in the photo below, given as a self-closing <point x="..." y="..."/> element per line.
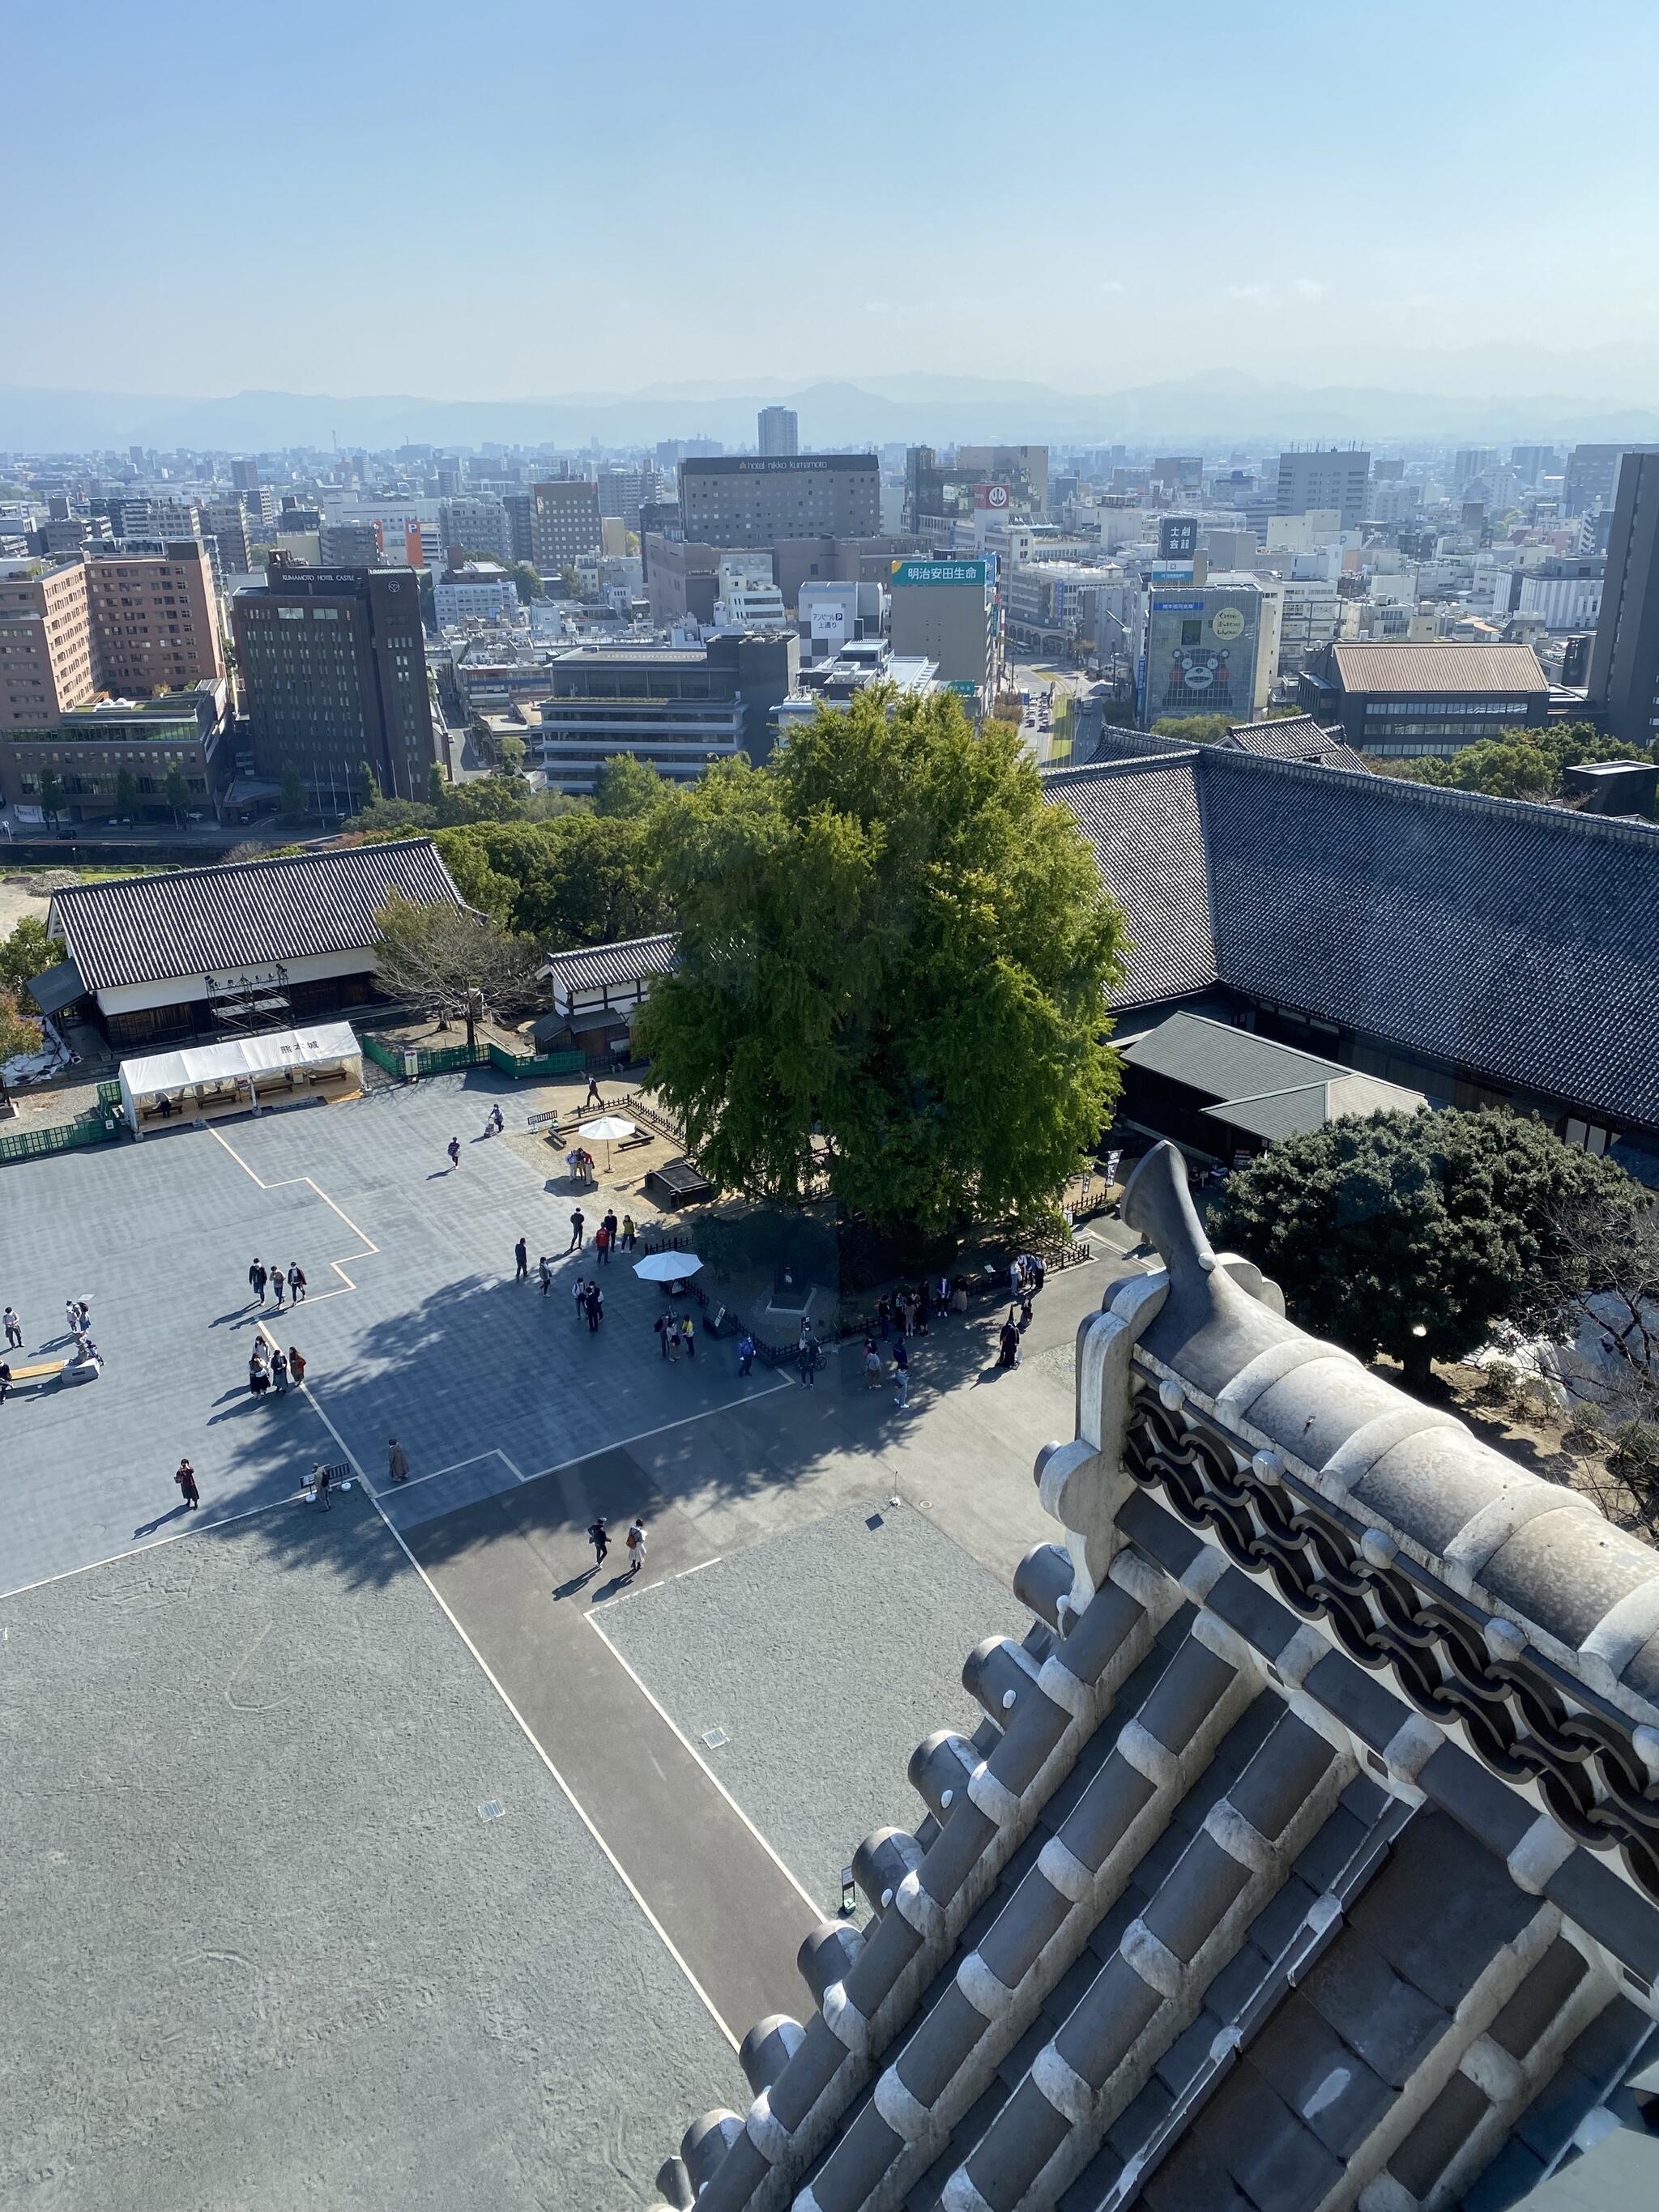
<point x="246" y="1865"/>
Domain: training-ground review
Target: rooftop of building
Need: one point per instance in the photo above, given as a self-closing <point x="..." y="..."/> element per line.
<point x="242" y="914"/>
<point x="1438" y="666"/>
<point x="1210" y="1913"/>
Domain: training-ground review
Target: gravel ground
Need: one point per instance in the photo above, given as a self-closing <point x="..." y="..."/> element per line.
<point x="262" y="1952"/>
<point x="826" y="1655"/>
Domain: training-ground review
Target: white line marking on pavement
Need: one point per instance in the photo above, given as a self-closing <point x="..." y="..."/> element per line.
<point x="817" y="1908"/>
<point x="644" y="1435"/>
<point x="191" y="1528"/>
<point x="372" y="1249"/>
<point x="529" y="1734"/>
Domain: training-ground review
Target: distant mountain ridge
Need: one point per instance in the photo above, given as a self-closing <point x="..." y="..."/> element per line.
<point x="1213" y="411"/>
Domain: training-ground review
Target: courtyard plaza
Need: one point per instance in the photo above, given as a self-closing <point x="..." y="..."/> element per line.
<point x="394" y="1854"/>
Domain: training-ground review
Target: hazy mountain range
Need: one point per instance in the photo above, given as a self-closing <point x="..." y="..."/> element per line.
<point x="1212" y="412"/>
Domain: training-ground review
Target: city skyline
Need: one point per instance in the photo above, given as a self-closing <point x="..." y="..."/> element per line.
<point x="1263" y="228"/>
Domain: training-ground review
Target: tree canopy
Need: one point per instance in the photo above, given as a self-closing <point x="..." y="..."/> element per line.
<point x="450" y="961"/>
<point x="580" y="879"/>
<point x="1414" y="1234"/>
<point x="627" y="786"/>
<point x="1518" y="764"/>
<point x="892" y="959"/>
<point x="1193" y="729"/>
<point x="27" y="951"/>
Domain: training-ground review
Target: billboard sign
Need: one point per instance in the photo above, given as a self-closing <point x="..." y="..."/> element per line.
<point x="906" y="573"/>
<point x="1177" y="538"/>
<point x="991" y="498"/>
<point x="828" y="622"/>
<point x="1201" y="650"/>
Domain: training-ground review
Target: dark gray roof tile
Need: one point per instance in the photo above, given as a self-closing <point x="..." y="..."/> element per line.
<point x="1548" y="2121"/>
<point x="1387" y="2022"/>
<point x="244" y="914"/>
<point x="1505" y="2182"/>
<point x="1442" y="1953"/>
<point x="1143" y="821"/>
<point x="1318" y="2077"/>
<point x="1274" y="2158"/>
<point x="1538" y="1999"/>
<point x="1440" y="2135"/>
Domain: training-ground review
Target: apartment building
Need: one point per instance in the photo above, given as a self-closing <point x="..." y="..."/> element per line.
<point x="564" y="524"/>
<point x="129" y="622"/>
<point x="45" y="642"/>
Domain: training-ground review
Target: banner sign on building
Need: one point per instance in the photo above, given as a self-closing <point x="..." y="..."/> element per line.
<point x="991" y="498"/>
<point x="1201" y="655"/>
<point x="906" y="573"/>
<point x="828" y="622"/>
<point x="1177" y="538"/>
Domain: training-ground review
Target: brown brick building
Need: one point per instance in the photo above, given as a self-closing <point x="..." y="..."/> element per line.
<point x="134" y="625"/>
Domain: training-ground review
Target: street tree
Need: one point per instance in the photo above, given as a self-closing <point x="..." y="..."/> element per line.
<point x="294" y="792"/>
<point x="627" y="786"/>
<point x="892" y="962"/>
<point x="1419" y="1235"/>
<point x="510" y="753"/>
<point x="51" y="794"/>
<point x="126" y="793"/>
<point x="448" y="960"/>
<point x="578" y="878"/>
<point x="177" y="793"/>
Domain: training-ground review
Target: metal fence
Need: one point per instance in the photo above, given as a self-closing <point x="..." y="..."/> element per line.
<point x="64" y="1137"/>
<point x="412" y="1061"/>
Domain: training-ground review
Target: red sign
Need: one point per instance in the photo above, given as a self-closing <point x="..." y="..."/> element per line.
<point x="993" y="496"/>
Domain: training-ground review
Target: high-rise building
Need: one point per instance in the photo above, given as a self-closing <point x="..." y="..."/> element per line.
<point x="747" y="501"/>
<point x="623" y="491"/>
<point x="226" y="520"/>
<point x="245" y="474"/>
<point x="45" y="642"/>
<point x="1592" y="475"/>
<point x="351" y="544"/>
<point x="679" y="708"/>
<point x="1624" y="666"/>
<point x="333" y="668"/>
<point x="475" y="524"/>
<point x="1202" y="650"/>
<point x="943" y="497"/>
<point x="780" y="431"/>
<point x="945" y="612"/>
<point x="1332" y="476"/>
<point x="564" y="524"/>
<point x="154" y="618"/>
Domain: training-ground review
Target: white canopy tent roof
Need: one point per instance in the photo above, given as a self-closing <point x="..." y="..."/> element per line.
<point x="236" y="1060"/>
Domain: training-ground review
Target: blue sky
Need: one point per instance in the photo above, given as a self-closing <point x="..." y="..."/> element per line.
<point x="511" y="199"/>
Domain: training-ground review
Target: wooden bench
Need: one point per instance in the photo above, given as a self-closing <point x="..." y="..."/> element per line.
<point x="38" y="1371"/>
<point x="632" y="1143"/>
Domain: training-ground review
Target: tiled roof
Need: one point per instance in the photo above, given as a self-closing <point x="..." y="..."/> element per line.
<point x="1142" y="819"/>
<point x="627" y="962"/>
<point x="1211" y="1913"/>
<point x="1511" y="941"/>
<point x="1437" y="667"/>
<point x="1221" y="1061"/>
<point x="1295" y="737"/>
<point x="203" y="922"/>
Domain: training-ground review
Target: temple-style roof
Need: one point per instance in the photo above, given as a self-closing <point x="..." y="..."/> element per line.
<point x="1510" y="940"/>
<point x="1307" y="1853"/>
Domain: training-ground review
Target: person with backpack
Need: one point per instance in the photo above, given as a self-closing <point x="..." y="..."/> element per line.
<point x="256" y="1276"/>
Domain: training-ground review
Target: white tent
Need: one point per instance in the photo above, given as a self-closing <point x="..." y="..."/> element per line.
<point x="235" y="1068"/>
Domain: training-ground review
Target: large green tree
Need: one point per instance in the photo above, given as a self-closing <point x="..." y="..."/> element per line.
<point x="27" y="951"/>
<point x="1414" y="1234"/>
<point x="892" y="960"/>
<point x="580" y="878"/>
<point x="626" y="785"/>
<point x="1518" y="764"/>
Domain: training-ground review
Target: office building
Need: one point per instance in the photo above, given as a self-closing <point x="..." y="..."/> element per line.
<point x="45" y="640"/>
<point x="945" y="612"/>
<point x="681" y="579"/>
<point x="1311" y="616"/>
<point x="1023" y="468"/>
<point x="623" y="491"/>
<point x="350" y="545"/>
<point x="1624" y="666"/>
<point x="780" y="432"/>
<point x="1203" y="648"/>
<point x="564" y="524"/>
<point x="1324" y="478"/>
<point x="479" y="591"/>
<point x="244" y="473"/>
<point x="678" y="708"/>
<point x="1178" y="476"/>
<point x="1531" y="462"/>
<point x="747" y="501"/>
<point x="747" y="593"/>
<point x="333" y="670"/>
<point x="1564" y="594"/>
<point x="89" y="749"/>
<point x="1592" y="476"/>
<point x="226" y="521"/>
<point x="475" y="524"/>
<point x="942" y="498"/>
<point x="1400" y="699"/>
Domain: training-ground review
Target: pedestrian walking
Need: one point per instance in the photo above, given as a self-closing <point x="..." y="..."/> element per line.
<point x="296" y="1282"/>
<point x="610" y="1221"/>
<point x="543" y="1269"/>
<point x="578" y="1230"/>
<point x="1024" y="1311"/>
<point x="902" y="1373"/>
<point x="627" y="1233"/>
<point x="872" y="1363"/>
<point x="600" y="1537"/>
<point x="672" y="1334"/>
<point x="5" y="1381"/>
<point x="279" y="1371"/>
<point x="579" y="1292"/>
<point x="397" y="1462"/>
<point x="82" y="1316"/>
<point x="806" y="1359"/>
<point x="959" y="1296"/>
<point x="186" y="1479"/>
<point x="493" y="1122"/>
<point x="256" y="1276"/>
<point x="746" y="1349"/>
<point x="592" y="1097"/>
<point x="454" y="1149"/>
<point x="521" y="1261"/>
<point x="324" y="1480"/>
<point x="13" y="1329"/>
<point x="1008" y="1343"/>
<point x="278" y="1284"/>
<point x="593" y="1306"/>
<point x="296" y="1366"/>
<point x="602" y="1245"/>
<point x="689" y="1333"/>
<point x="635" y="1544"/>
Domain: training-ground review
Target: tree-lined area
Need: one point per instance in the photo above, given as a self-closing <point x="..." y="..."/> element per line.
<point x="1518" y="764"/>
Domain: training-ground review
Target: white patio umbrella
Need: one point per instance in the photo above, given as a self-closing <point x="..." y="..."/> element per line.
<point x="606" y="1131"/>
<point x="668" y="1267"/>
